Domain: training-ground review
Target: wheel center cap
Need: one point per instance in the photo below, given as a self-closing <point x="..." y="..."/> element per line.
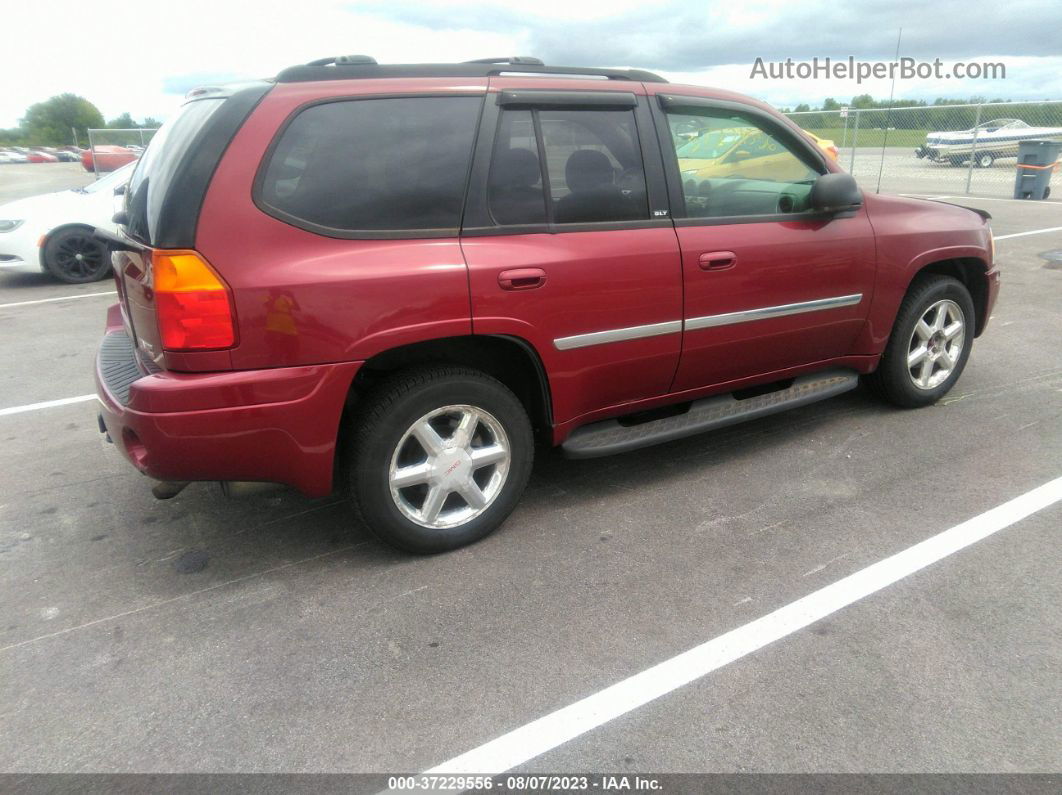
<point x="452" y="466"/>
<point x="79" y="257"/>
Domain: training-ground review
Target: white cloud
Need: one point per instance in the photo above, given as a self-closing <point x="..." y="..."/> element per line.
<point x="124" y="56"/>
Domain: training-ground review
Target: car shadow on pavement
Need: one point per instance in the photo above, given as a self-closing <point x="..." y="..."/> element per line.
<point x="24" y="280"/>
<point x="201" y="539"/>
<point x="121" y="549"/>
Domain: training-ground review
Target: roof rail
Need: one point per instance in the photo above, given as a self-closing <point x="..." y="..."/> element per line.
<point x="354" y="67"/>
<point x="343" y="60"/>
<point x="512" y="59"/>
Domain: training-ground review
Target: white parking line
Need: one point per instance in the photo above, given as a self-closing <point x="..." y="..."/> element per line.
<point x="47" y="404"/>
<point x="567" y="723"/>
<point x="1033" y="232"/>
<point x="53" y="300"/>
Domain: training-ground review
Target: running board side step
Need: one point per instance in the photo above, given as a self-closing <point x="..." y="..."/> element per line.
<point x="609" y="436"/>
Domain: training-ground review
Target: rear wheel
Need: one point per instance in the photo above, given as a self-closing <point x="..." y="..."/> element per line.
<point x="74" y="256"/>
<point x="440" y="458"/>
<point x="985" y="159"/>
<point x="929" y="345"/>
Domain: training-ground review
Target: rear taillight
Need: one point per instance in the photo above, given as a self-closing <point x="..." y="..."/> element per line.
<point x="192" y="304"/>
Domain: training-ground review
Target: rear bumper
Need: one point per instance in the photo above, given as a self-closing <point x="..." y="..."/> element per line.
<point x="277" y="425"/>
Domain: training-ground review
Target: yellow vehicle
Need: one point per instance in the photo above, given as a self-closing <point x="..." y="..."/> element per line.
<point x="743" y="153"/>
<point x="825" y="144"/>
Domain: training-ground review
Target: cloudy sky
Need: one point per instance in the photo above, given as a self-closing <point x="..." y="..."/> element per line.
<point x="142" y="56"/>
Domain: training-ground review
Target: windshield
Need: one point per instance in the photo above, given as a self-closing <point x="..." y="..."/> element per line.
<point x="1003" y="124"/>
<point x="113" y="180"/>
<point x="711" y="145"/>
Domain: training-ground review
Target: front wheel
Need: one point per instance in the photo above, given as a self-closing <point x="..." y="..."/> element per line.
<point x="440" y="458"/>
<point x="930" y="343"/>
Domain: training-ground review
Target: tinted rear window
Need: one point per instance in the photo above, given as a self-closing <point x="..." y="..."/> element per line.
<point x="154" y="173"/>
<point x="373" y="165"/>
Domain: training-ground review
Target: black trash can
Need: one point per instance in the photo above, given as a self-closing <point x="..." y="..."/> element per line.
<point x="1036" y="161"/>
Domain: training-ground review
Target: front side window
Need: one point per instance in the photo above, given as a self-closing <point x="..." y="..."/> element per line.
<point x="593" y="169"/>
<point x="731" y="165"/>
<point x="393" y="164"/>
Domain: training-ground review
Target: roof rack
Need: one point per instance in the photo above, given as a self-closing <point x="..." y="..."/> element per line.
<point x="512" y="59"/>
<point x="353" y="67"/>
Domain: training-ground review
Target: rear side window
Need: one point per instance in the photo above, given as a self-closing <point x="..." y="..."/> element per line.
<point x="153" y="177"/>
<point x="373" y="166"/>
<point x="593" y="167"/>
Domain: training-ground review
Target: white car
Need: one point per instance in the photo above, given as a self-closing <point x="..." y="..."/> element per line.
<point x="13" y="157"/>
<point x="53" y="233"/>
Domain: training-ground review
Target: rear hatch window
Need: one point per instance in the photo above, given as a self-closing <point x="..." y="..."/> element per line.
<point x="165" y="194"/>
<point x="154" y="174"/>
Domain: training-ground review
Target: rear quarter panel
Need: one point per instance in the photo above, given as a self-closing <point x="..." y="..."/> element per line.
<point x="302" y="298"/>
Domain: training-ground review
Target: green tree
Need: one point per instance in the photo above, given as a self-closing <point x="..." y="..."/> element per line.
<point x="803" y="107"/>
<point x="151" y="123"/>
<point x="123" y="122"/>
<point x="49" y="122"/>
<point x="831" y="104"/>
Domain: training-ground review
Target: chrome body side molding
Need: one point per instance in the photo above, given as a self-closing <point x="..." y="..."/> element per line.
<point x="748" y="315"/>
<point x="707" y="321"/>
<point x="617" y="335"/>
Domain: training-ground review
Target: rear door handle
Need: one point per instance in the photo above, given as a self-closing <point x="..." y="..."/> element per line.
<point x="522" y="279"/>
<point x="717" y="260"/>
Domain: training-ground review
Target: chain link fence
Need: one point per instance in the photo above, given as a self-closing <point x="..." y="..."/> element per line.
<point x="113" y="148"/>
<point x="936" y="149"/>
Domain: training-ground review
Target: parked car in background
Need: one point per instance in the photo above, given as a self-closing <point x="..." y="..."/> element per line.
<point x="107" y="157"/>
<point x="52" y="233"/>
<point x="986" y="143"/>
<point x="825" y="144"/>
<point x="37" y="156"/>
<point x="736" y="152"/>
<point x="66" y="156"/>
<point x="396" y="279"/>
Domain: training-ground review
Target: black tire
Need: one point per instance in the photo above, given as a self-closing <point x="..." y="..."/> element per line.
<point x="985" y="159"/>
<point x="382" y="424"/>
<point x="74" y="256"/>
<point x="893" y="379"/>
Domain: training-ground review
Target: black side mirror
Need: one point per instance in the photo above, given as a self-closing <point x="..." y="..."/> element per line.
<point x="833" y="193"/>
<point x="120" y="190"/>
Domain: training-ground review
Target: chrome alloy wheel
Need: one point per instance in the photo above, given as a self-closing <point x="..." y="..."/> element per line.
<point x="936" y="344"/>
<point x="449" y="466"/>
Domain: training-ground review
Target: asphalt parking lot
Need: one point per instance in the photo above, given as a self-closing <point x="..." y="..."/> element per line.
<point x="273" y="634"/>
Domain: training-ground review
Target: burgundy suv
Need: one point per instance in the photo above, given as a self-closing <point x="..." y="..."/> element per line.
<point x="393" y="280"/>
